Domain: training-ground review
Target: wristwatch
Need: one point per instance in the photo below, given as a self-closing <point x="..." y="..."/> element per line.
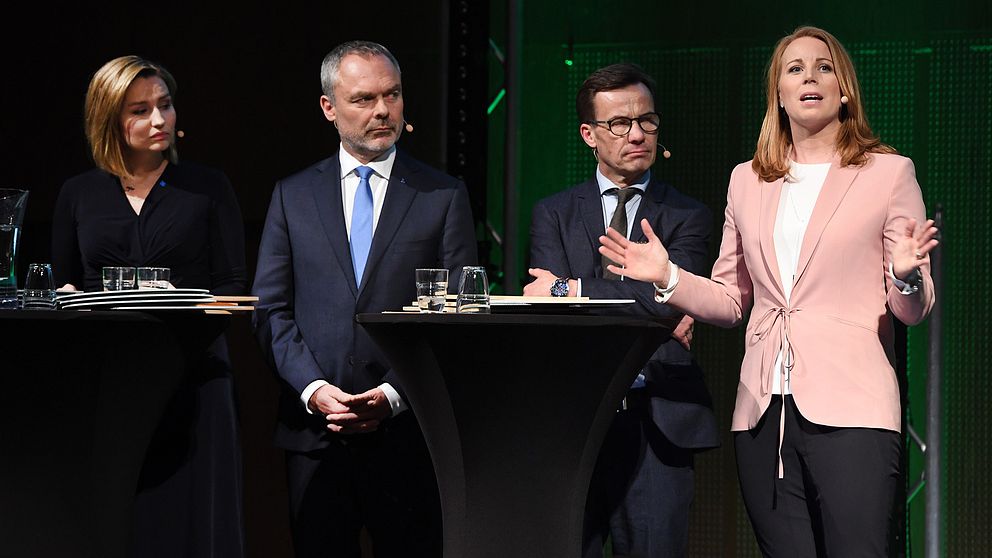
<point x="560" y="287"/>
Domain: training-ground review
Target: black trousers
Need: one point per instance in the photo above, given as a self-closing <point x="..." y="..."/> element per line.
<point x="640" y="492"/>
<point x="382" y="481"/>
<point x="836" y="498"/>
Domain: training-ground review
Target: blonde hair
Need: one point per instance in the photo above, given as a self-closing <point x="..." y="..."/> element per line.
<point x="104" y="103"/>
<point x="855" y="139"/>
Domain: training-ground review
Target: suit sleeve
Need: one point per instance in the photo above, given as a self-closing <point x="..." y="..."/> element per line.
<point x="547" y="250"/>
<point x="687" y="246"/>
<point x="457" y="249"/>
<point x="458" y="246"/>
<point x="67" y="264"/>
<point x="273" y="319"/>
<point x="228" y="275"/>
<point x="906" y="202"/>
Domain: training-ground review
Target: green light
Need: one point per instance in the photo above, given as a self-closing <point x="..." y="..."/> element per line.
<point x="568" y="62"/>
<point x="980" y="48"/>
<point x="499" y="97"/>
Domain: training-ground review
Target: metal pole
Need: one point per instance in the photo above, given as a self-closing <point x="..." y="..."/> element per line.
<point x="932" y="469"/>
<point x="511" y="183"/>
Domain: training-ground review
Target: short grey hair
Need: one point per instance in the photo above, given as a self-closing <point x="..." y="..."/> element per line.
<point x="332" y="62"/>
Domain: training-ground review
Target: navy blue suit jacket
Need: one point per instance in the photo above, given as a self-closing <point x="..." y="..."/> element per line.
<point x="565" y="233"/>
<point x="305" y="281"/>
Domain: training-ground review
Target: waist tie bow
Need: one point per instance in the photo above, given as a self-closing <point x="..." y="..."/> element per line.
<point x="777" y="323"/>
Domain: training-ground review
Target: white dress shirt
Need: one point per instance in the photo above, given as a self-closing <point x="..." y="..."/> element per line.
<point x="379" y="181"/>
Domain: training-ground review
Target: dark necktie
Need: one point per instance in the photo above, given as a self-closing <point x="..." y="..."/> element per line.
<point x="361" y="223"/>
<point x="619" y="220"/>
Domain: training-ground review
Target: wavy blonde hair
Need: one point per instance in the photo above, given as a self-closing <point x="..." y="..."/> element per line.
<point x="104" y="103"/>
<point x="854" y="141"/>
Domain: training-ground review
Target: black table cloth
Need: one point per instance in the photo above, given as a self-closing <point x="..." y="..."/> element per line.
<point x="514" y="409"/>
<point x="81" y="394"/>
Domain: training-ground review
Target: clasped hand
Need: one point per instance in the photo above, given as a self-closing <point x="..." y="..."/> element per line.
<point x="350" y="414"/>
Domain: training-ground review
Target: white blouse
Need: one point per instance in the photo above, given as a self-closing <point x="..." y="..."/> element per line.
<point x="799" y="193"/>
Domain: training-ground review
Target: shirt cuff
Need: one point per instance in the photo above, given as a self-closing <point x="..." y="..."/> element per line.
<point x="912" y="283"/>
<point x="578" y="287"/>
<point x="662" y="295"/>
<point x="396" y="402"/>
<point x="308" y="393"/>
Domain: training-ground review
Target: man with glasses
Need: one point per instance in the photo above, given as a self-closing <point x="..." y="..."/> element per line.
<point x="643" y="483"/>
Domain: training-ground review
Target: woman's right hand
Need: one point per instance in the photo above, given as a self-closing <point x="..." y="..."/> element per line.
<point x="641" y="261"/>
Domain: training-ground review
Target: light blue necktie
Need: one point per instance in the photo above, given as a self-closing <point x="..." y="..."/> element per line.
<point x="361" y="223"/>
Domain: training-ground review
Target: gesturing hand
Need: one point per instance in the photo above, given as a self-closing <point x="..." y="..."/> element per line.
<point x="644" y="262"/>
<point x="912" y="247"/>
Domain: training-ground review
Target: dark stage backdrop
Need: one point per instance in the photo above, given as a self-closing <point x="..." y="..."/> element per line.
<point x="248" y="89"/>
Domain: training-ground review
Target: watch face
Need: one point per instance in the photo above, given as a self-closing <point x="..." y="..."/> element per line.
<point x="559" y="287"/>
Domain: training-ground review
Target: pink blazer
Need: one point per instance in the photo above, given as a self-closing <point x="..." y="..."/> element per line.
<point x="838" y="326"/>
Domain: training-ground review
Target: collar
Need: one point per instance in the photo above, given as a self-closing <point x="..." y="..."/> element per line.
<point x="382" y="165"/>
<point x="606" y="184"/>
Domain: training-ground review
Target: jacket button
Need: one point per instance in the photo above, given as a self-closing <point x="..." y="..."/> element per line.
<point x="351" y="360"/>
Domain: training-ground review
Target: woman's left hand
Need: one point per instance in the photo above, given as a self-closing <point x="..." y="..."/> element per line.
<point x="910" y="250"/>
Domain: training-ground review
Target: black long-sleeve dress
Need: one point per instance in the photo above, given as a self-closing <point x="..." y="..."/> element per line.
<point x="189" y="499"/>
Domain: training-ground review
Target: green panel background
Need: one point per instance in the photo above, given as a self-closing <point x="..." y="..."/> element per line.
<point x="926" y="74"/>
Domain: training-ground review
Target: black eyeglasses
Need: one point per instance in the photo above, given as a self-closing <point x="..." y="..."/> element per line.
<point x="621" y="125"/>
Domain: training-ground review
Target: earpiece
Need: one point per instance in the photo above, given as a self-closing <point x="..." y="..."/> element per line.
<point x="180" y="133"/>
<point x="844" y="99"/>
<point x="665" y="152"/>
<point x="408" y="126"/>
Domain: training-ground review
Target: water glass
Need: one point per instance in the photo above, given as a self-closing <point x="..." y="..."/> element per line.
<point x="153" y="278"/>
<point x="432" y="287"/>
<point x="473" y="291"/>
<point x="118" y="278"/>
<point x="39" y="287"/>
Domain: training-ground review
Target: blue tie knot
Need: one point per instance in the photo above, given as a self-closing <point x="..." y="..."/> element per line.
<point x="364" y="172"/>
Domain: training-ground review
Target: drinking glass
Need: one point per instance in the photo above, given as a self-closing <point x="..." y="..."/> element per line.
<point x="118" y="278"/>
<point x="153" y="278"/>
<point x="473" y="291"/>
<point x="39" y="287"/>
<point x="432" y="287"/>
<point x="12" y="206"/>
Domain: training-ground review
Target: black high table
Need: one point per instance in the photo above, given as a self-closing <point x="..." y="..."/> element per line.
<point x="81" y="394"/>
<point x="514" y="409"/>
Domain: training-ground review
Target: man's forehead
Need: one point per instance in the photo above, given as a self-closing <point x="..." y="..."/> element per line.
<point x="633" y="100"/>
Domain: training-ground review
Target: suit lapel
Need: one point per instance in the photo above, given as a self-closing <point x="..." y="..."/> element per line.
<point x="650" y="208"/>
<point x="835" y="187"/>
<point x="326" y="190"/>
<point x="771" y="193"/>
<point x="591" y="214"/>
<point x="399" y="196"/>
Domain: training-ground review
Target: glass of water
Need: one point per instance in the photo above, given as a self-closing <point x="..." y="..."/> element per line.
<point x="153" y="278"/>
<point x="39" y="287"/>
<point x="473" y="291"/>
<point x="432" y="287"/>
<point x="118" y="278"/>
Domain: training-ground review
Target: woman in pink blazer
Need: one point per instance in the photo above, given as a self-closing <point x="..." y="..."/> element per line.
<point x="824" y="242"/>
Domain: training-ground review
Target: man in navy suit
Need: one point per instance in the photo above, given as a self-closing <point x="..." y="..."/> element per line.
<point x="343" y="237"/>
<point x="643" y="483"/>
